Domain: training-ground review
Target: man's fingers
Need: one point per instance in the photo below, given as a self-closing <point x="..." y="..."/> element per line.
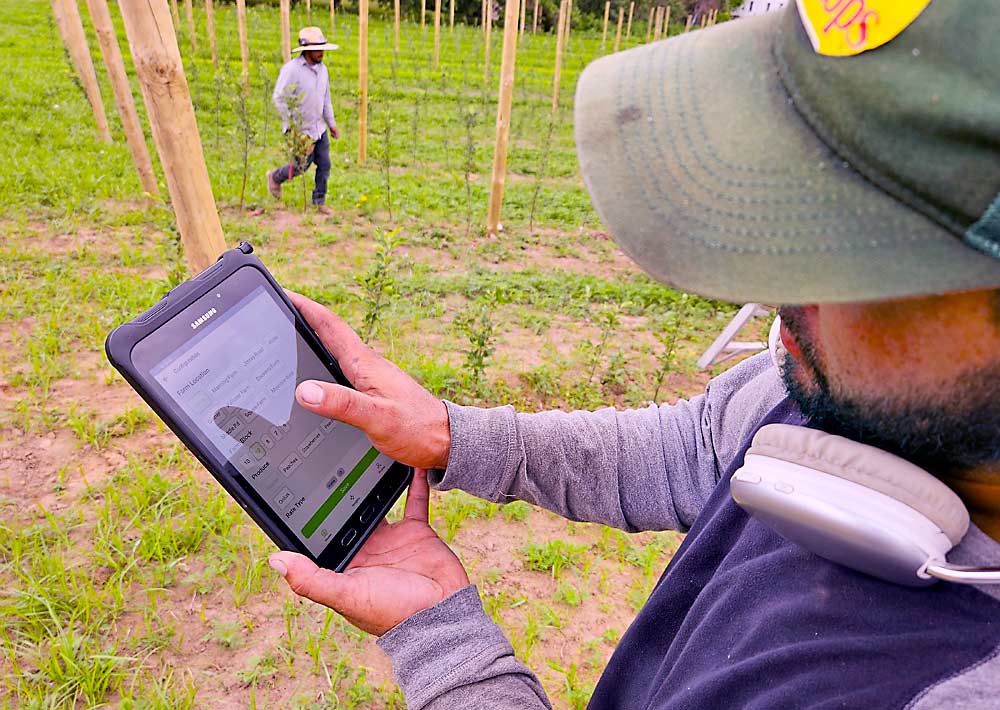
<point x="336" y="335"/>
<point x="418" y="498"/>
<point x="306" y="579"/>
<point x="341" y="403"/>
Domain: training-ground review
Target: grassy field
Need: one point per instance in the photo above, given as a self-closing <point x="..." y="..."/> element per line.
<point x="127" y="577"/>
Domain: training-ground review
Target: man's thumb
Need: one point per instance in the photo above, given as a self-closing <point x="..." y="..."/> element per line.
<point x="309" y="580"/>
<point x="337" y="402"/>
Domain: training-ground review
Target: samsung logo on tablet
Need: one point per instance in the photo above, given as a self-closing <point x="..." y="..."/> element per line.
<point x="201" y="319"/>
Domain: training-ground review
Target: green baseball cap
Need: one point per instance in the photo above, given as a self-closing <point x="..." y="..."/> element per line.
<point x="741" y="163"/>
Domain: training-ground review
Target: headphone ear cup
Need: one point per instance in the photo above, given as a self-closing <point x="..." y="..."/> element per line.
<point x="852" y="504"/>
<point x="869" y="467"/>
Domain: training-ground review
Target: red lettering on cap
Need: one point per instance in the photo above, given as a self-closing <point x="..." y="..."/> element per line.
<point x="850" y="17"/>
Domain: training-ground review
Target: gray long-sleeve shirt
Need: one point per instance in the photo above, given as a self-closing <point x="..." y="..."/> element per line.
<point x="650" y="469"/>
<point x="312" y="83"/>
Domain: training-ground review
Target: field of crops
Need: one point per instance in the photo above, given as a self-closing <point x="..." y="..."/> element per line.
<point x="127" y="577"/>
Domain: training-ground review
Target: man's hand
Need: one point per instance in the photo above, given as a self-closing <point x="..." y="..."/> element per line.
<point x="335" y="132"/>
<point x="402" y="568"/>
<point x="402" y="419"/>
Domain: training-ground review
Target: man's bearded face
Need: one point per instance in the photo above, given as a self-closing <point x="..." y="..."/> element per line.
<point x="860" y="382"/>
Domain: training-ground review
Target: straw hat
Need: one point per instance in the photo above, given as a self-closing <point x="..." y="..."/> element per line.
<point x="312" y="39"/>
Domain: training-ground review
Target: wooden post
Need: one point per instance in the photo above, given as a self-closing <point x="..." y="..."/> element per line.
<point x="105" y="31"/>
<point x="628" y="29"/>
<point x="333" y="18"/>
<point x="176" y="15"/>
<point x="451" y="17"/>
<point x="509" y="57"/>
<point x="175" y="131"/>
<point x="423" y="13"/>
<point x="618" y="33"/>
<point x="489" y="28"/>
<point x="649" y="24"/>
<point x="210" y="26"/>
<point x="604" y="31"/>
<point x="534" y="21"/>
<point x="241" y="19"/>
<point x="362" y="81"/>
<point x="437" y="32"/>
<point x="482" y="16"/>
<point x="687" y="25"/>
<point x="524" y="14"/>
<point x="566" y="24"/>
<point x="309" y="11"/>
<point x="396" y="45"/>
<point x="70" y="26"/>
<point x="286" y="31"/>
<point x="557" y="71"/>
<point x="189" y="11"/>
<point x="666" y="22"/>
<point x="656" y="23"/>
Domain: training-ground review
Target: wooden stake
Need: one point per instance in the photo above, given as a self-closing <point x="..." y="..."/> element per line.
<point x="687" y="25"/>
<point x="534" y="21"/>
<point x="566" y="25"/>
<point x="176" y="15"/>
<point x="557" y="71"/>
<point x="241" y="19"/>
<point x="309" y="12"/>
<point x="210" y="26"/>
<point x="362" y="81"/>
<point x="396" y="45"/>
<point x="618" y="33"/>
<point x="437" y="32"/>
<point x="70" y="26"/>
<point x="524" y="14"/>
<point x="656" y="22"/>
<point x="489" y="28"/>
<point x="423" y="13"/>
<point x="509" y="57"/>
<point x="175" y="131"/>
<point x="105" y="31"/>
<point x="482" y="16"/>
<point x="451" y="17"/>
<point x="628" y="30"/>
<point x="649" y="24"/>
<point x="333" y="18"/>
<point x="189" y="11"/>
<point x="286" y="31"/>
<point x="666" y="22"/>
<point x="604" y="31"/>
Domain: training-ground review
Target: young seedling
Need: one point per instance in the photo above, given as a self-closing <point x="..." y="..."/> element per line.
<point x="378" y="283"/>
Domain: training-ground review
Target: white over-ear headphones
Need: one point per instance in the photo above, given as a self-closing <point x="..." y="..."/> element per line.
<point x="855" y="505"/>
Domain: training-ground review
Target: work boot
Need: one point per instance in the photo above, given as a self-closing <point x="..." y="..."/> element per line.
<point x="272" y="185"/>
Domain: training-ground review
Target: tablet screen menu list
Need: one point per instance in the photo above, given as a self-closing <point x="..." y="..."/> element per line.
<point x="236" y="378"/>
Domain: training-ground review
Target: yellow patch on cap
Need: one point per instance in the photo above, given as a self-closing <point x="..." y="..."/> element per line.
<point x="841" y="28"/>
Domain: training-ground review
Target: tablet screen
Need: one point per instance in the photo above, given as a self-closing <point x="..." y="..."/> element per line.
<point x="234" y="377"/>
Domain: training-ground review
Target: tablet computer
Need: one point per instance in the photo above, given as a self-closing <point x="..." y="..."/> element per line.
<point x="218" y="359"/>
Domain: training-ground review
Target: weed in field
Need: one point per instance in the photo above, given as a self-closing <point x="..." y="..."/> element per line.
<point x="553" y="556"/>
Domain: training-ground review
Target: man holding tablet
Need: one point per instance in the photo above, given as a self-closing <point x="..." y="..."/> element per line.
<point x="841" y="158"/>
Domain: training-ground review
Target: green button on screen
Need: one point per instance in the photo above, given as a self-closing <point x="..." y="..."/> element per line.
<point x="338" y="494"/>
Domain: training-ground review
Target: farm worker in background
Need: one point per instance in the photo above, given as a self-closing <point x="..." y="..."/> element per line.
<point x="306" y="76"/>
<point x="852" y="173"/>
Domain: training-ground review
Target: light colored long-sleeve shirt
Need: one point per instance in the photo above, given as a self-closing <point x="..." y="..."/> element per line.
<point x="656" y="469"/>
<point x="312" y="83"/>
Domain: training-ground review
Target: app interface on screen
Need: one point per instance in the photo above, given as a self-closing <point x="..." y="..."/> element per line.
<point x="236" y="380"/>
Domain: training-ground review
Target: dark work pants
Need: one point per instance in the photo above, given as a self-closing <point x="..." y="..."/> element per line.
<point x="320" y="155"/>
